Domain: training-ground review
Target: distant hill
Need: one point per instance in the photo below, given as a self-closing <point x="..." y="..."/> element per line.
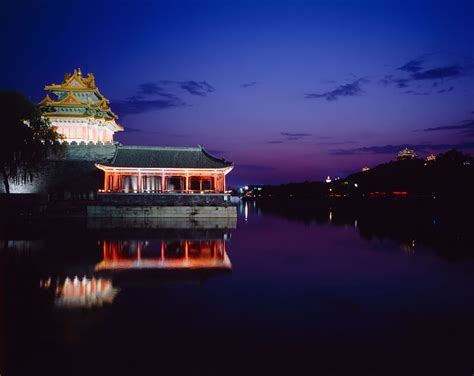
<point x="450" y="174"/>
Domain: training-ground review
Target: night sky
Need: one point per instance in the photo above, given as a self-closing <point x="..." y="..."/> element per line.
<point x="288" y="91"/>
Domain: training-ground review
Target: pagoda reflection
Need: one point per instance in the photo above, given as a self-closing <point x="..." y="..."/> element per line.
<point x="81" y="292"/>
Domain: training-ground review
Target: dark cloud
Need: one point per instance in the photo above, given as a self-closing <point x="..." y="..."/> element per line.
<point x="274" y="142"/>
<point x="292" y="136"/>
<point x="150" y="89"/>
<point x="334" y="143"/>
<point x="347" y="90"/>
<point x="399" y="82"/>
<point x="438" y="73"/>
<point x="199" y="88"/>
<point x="415" y="92"/>
<point x="465" y="125"/>
<point x="136" y="105"/>
<point x="393" y="149"/>
<point x="416" y="72"/>
<point x="451" y="88"/>
<point x="248" y="84"/>
<point x="140" y="103"/>
<point x="412" y="66"/>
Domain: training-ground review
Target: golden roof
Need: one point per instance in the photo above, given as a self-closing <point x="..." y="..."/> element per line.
<point x="75" y="81"/>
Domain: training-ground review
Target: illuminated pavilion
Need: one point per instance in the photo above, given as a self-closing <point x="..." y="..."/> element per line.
<point x="78" y="110"/>
<point x="144" y="169"/>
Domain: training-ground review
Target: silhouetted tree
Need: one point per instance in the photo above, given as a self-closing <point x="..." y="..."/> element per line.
<point x="26" y="139"/>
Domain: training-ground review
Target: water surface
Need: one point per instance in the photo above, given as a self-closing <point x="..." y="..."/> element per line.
<point x="287" y="289"/>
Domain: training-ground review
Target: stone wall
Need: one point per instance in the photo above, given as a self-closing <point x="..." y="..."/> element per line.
<point x="163" y="199"/>
<point x="73" y="176"/>
<point x="97" y="153"/>
<point x="111" y="211"/>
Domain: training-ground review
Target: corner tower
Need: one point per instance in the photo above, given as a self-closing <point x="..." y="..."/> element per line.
<point x="79" y="111"/>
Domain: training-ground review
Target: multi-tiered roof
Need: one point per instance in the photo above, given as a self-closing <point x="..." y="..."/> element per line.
<point x="78" y="96"/>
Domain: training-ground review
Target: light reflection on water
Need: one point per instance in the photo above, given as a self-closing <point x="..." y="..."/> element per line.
<point x="285" y="289"/>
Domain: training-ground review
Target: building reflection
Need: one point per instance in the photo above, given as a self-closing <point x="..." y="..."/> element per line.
<point x="81" y="292"/>
<point x="164" y="254"/>
<point x="108" y="256"/>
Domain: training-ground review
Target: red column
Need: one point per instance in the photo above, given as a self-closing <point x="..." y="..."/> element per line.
<point x="106" y="178"/>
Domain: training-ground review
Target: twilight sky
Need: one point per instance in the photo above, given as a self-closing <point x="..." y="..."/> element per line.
<point x="287" y="90"/>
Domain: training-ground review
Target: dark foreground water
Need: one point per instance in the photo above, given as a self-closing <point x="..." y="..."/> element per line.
<point x="288" y="289"/>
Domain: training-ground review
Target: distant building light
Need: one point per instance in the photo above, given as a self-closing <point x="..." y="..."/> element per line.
<point x="356" y="185"/>
<point x="328" y="179"/>
<point x="365" y="168"/>
<point x="431" y="158"/>
<point x="406" y="154"/>
<point x="246" y="187"/>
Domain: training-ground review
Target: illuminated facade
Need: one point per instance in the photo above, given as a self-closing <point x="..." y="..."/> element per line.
<point x="78" y="110"/>
<point x="141" y="169"/>
<point x="431" y="158"/>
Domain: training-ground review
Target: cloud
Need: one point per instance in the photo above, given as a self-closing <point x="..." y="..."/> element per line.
<point x="399" y="82"/>
<point x="294" y="136"/>
<point x="151" y="89"/>
<point x="393" y="149"/>
<point x="466" y="124"/>
<point x="274" y="142"/>
<point x="347" y="90"/>
<point x="415" y="92"/>
<point x="412" y="66"/>
<point x="248" y="84"/>
<point x="416" y="72"/>
<point x="140" y="103"/>
<point x="334" y="143"/>
<point x="137" y="105"/>
<point x="438" y="73"/>
<point x="199" y="88"/>
<point x="451" y="88"/>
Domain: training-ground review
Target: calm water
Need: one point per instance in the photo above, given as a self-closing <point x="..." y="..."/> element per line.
<point x="284" y="290"/>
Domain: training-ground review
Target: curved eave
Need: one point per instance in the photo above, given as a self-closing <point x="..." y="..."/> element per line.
<point x="44" y="103"/>
<point x="112" y="168"/>
<point x="110" y="121"/>
<point x="64" y="88"/>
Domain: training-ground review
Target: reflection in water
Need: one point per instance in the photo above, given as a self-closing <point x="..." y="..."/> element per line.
<point x="433" y="224"/>
<point x="81" y="292"/>
<point x="164" y="254"/>
<point x="303" y="294"/>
